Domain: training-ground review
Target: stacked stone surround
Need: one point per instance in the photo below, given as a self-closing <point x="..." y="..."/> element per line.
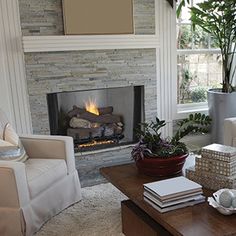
<point x="45" y="17"/>
<point x="82" y="70"/>
<point x="88" y="165"/>
<point x="51" y="72"/>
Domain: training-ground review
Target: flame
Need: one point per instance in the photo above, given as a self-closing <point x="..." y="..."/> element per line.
<point x="94" y="143"/>
<point x="91" y="106"/>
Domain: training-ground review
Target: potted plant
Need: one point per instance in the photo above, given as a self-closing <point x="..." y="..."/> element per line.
<point x="157" y="156"/>
<point x="218" y="18"/>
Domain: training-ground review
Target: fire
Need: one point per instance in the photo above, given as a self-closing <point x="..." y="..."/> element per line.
<point x="91" y="106"/>
<point x="94" y="143"/>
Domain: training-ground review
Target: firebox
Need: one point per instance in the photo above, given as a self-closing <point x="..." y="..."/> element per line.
<point x="98" y="118"/>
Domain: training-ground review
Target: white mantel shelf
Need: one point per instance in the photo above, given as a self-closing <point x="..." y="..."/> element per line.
<point x="88" y="42"/>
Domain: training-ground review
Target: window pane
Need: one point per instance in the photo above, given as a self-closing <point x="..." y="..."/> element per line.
<point x="197" y="73"/>
<point x="184" y="15"/>
<point x="213" y="43"/>
<point x="184" y="37"/>
<point x="200" y="38"/>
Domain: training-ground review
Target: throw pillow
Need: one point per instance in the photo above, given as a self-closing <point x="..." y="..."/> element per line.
<point x="10" y="135"/>
<point x="11" y="148"/>
<point x="5" y="143"/>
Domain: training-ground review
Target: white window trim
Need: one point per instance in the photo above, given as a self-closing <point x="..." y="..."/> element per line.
<point x="197" y="51"/>
<point x="183" y="110"/>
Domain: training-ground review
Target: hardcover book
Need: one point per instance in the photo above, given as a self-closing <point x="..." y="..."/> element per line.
<point x="175" y="207"/>
<point x="173" y="188"/>
<point x="170" y="203"/>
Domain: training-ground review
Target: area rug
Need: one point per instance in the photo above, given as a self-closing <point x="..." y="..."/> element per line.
<point x="98" y="214"/>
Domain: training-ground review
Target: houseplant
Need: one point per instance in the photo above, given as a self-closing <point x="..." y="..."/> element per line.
<point x="218" y="18"/>
<point x="157" y="156"/>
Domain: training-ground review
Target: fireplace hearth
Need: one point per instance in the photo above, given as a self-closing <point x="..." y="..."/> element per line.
<point x="97" y="119"/>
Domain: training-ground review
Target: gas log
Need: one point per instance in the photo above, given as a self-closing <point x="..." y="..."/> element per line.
<point x="85" y="125"/>
<point x="78" y="111"/>
<point x="104" y="119"/>
<point x="89" y="133"/>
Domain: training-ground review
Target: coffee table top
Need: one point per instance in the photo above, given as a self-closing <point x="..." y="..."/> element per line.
<point x="200" y="219"/>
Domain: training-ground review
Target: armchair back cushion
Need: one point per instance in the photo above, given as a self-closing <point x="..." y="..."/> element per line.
<point x="11" y="148"/>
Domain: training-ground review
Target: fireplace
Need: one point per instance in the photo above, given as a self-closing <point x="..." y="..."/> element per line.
<point x="98" y="118"/>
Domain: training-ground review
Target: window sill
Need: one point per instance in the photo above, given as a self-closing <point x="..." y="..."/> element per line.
<point x="183" y="110"/>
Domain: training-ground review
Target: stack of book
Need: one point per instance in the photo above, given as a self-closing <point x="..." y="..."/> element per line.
<point x="174" y="193"/>
<point x="215" y="168"/>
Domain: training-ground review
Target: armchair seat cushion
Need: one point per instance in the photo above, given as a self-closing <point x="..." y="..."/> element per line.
<point x="42" y="173"/>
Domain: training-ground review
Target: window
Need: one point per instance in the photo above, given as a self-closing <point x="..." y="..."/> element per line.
<point x="198" y="62"/>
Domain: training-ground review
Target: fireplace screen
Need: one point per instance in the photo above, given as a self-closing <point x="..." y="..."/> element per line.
<point x="97" y="118"/>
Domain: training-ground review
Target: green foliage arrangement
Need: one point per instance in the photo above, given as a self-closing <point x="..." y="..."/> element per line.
<point x="199" y="94"/>
<point x="184" y="87"/>
<point x="152" y="145"/>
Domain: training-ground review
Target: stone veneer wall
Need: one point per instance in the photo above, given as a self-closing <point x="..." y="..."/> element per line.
<point x="83" y="70"/>
<point x="44" y="17"/>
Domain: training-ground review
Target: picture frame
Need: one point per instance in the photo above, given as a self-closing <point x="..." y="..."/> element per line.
<point x="86" y="17"/>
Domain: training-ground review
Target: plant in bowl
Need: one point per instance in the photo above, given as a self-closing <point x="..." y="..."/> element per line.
<point x="157" y="156"/>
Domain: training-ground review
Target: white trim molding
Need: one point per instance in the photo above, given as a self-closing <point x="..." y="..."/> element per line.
<point x="183" y="110"/>
<point x="198" y="51"/>
<point x="88" y="42"/>
<point x="12" y="67"/>
<point x="166" y="64"/>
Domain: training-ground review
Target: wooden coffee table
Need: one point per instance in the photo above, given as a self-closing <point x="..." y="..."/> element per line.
<point x="140" y="219"/>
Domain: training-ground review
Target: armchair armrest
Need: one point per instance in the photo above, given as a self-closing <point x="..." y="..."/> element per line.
<point x="13" y="185"/>
<point x="229" y="131"/>
<point x="51" y="147"/>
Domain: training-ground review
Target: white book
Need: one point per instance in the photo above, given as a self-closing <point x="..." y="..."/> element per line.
<point x="176" y="197"/>
<point x="170" y="203"/>
<point x="173" y="188"/>
<point x="175" y="207"/>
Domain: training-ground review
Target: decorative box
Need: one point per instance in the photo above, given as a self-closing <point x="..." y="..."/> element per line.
<point x="215" y="166"/>
<point x="210" y="180"/>
<point x="219" y="152"/>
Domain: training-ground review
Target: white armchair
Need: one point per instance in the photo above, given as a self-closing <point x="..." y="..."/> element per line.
<point x="230" y="131"/>
<point x="34" y="191"/>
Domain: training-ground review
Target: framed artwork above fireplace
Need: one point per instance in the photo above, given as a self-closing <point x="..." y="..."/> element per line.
<point x="83" y="17"/>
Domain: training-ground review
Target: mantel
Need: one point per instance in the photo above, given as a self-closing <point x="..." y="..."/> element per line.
<point x="88" y="42"/>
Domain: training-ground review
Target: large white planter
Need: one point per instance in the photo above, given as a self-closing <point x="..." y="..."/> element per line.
<point x="221" y="106"/>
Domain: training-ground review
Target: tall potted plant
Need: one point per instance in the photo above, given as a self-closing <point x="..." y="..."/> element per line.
<point x="218" y="18"/>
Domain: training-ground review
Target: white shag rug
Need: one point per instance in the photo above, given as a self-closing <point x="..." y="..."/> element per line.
<point x="97" y="214"/>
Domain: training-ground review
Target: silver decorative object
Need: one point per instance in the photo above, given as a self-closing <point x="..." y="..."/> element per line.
<point x="214" y="202"/>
